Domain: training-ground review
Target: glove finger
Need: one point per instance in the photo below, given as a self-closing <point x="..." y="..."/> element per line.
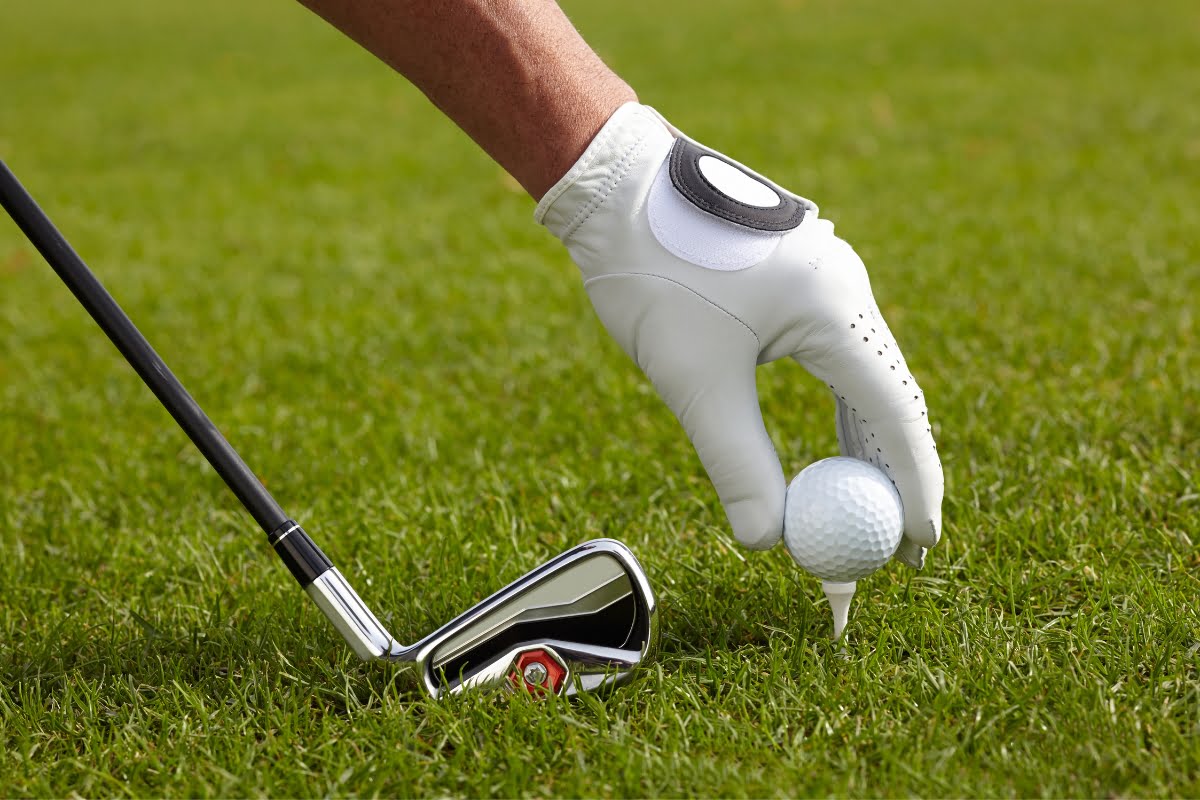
<point x="882" y="418"/>
<point x="911" y="553"/>
<point x="853" y="442"/>
<point x="702" y="361"/>
<point x="725" y="425"/>
<point x="850" y="439"/>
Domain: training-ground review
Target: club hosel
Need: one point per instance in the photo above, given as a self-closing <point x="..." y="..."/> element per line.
<point x="342" y="606"/>
<point x="303" y="558"/>
<point x="331" y="592"/>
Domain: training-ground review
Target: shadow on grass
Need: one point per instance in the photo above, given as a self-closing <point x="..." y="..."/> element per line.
<point x="254" y="661"/>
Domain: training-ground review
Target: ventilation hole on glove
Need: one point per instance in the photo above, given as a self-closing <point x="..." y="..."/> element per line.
<point x="860" y="316"/>
<point x="843" y="397"/>
<point x="872" y="436"/>
<point x="865" y="339"/>
<point x="905" y="383"/>
<point x="916" y="397"/>
<point x="878" y="450"/>
<point x="852" y="325"/>
<point x="887" y="466"/>
<point x="880" y="352"/>
<point x="893" y="369"/>
<point x="872" y="330"/>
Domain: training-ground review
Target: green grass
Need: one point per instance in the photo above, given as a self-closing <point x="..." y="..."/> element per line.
<point x="362" y="302"/>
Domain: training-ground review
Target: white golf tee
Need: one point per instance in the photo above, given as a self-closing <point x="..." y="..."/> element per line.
<point x="839" y="596"/>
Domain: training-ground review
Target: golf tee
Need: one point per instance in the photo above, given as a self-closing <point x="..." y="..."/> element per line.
<point x="839" y="596"/>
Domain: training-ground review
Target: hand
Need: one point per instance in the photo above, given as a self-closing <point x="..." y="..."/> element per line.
<point x="701" y="270"/>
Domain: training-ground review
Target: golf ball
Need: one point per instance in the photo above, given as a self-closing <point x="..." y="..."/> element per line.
<point x="842" y="519"/>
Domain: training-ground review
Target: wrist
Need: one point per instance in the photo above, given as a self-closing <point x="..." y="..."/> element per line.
<point x="567" y="129"/>
<point x="613" y="169"/>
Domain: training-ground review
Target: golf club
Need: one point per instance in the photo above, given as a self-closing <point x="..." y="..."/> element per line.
<point x="582" y="621"/>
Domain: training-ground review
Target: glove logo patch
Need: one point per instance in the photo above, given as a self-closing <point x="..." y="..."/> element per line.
<point x="735" y="184"/>
<point x="726" y="190"/>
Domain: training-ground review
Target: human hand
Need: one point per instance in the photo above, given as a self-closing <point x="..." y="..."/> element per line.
<point x="701" y="270"/>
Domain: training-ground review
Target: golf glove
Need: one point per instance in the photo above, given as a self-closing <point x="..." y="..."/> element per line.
<point x="702" y="269"/>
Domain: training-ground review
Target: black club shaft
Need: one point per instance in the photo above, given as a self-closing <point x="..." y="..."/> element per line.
<point x="138" y="352"/>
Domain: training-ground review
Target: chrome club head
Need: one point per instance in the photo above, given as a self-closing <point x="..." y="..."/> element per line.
<point x="580" y="622"/>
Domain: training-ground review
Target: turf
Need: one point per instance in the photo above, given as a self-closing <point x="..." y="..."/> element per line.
<point x="361" y="301"/>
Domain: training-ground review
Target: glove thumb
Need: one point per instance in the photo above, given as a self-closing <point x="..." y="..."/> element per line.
<point x="701" y="359"/>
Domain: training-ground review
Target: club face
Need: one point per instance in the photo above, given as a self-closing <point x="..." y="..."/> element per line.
<point x="581" y="622"/>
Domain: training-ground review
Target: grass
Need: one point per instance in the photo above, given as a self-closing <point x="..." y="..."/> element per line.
<point x="361" y="301"/>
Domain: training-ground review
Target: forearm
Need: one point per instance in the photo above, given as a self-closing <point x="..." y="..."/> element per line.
<point x="514" y="74"/>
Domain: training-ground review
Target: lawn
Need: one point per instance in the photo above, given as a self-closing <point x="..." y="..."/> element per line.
<point x="361" y="301"/>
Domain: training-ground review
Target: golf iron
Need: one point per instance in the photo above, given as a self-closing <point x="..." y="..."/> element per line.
<point x="582" y="621"/>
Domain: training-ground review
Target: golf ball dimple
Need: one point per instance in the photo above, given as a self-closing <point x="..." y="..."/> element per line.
<point x="842" y="519"/>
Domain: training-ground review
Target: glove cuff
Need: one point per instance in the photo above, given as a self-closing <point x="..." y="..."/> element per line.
<point x="632" y="131"/>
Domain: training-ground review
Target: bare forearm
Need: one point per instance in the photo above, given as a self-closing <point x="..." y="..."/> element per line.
<point x="514" y="74"/>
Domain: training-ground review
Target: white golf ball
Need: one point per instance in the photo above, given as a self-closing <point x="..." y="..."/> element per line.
<point x="842" y="519"/>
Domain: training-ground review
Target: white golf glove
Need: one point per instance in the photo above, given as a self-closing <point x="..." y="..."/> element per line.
<point x="702" y="269"/>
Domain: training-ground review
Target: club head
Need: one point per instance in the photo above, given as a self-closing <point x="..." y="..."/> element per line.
<point x="581" y="622"/>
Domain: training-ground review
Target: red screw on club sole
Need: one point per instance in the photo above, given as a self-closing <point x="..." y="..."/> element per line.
<point x="537" y="672"/>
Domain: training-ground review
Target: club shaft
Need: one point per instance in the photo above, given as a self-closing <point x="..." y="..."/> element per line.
<point x="137" y="351"/>
<point x="308" y="565"/>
